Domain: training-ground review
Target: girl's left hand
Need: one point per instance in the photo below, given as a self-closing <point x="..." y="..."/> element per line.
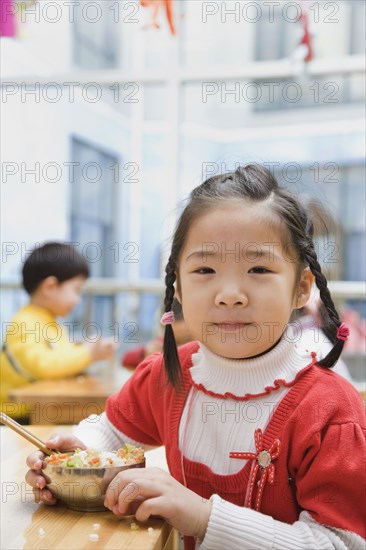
<point x="155" y="492"/>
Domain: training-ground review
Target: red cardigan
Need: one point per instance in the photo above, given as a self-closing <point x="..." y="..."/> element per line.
<point x="320" y="424"/>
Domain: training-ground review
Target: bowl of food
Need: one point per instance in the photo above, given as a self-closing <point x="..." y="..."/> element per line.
<point x="80" y="479"/>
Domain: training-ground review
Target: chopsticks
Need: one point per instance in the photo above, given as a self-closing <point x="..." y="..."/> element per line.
<point x="19" y="429"/>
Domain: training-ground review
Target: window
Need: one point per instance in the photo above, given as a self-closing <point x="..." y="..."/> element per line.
<point x="93" y="196"/>
<point x="319" y="92"/>
<point x="92" y="205"/>
<point x="353" y="180"/>
<point x="155" y="102"/>
<point x="95" y="35"/>
<point x="342" y="191"/>
<point x="276" y="38"/>
<point x="214" y="34"/>
<point x="357" y="29"/>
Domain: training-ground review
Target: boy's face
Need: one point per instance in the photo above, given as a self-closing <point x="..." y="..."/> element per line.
<point x="63" y="297"/>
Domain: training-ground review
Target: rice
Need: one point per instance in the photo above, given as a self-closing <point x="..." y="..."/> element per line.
<point x="90" y="458"/>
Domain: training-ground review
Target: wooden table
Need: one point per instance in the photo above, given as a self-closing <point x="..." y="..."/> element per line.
<point x="69" y="400"/>
<point x="25" y="524"/>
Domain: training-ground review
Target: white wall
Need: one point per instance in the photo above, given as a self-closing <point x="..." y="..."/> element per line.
<point x="37" y="129"/>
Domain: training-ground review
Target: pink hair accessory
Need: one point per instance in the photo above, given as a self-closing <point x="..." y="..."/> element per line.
<point x="343" y="332"/>
<point x="168" y="318"/>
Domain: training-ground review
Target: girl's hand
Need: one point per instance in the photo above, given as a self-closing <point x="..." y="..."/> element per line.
<point x="35" y="461"/>
<point x="155" y="492"/>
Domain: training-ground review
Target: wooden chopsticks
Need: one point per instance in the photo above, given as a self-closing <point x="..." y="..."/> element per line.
<point x="19" y="429"/>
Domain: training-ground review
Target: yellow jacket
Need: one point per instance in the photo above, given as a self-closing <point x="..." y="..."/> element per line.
<point x="36" y="347"/>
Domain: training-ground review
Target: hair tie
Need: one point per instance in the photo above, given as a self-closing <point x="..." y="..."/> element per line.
<point x="168" y="318"/>
<point x="343" y="332"/>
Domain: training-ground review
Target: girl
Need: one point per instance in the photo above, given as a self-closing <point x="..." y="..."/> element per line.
<point x="264" y="444"/>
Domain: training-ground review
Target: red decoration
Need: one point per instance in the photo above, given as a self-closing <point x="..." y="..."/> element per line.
<point x="262" y="460"/>
<point x="343" y="332"/>
<point x="157" y="6"/>
<point x="306" y="38"/>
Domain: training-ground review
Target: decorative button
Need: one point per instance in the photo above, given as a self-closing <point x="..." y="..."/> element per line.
<point x="264" y="459"/>
<point x="261" y="459"/>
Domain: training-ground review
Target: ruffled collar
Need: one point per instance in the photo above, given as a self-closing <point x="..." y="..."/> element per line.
<point x="243" y="379"/>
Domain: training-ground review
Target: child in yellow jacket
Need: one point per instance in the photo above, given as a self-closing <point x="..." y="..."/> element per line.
<point x="35" y="346"/>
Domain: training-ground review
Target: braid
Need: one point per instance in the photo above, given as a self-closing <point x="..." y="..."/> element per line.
<point x="169" y="285"/>
<point x="330" y="328"/>
<point x="301" y="228"/>
<point x="171" y="358"/>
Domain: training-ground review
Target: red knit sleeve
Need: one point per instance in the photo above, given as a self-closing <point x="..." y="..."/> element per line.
<point x="330" y="481"/>
<point x="136" y="410"/>
<point x="133" y="357"/>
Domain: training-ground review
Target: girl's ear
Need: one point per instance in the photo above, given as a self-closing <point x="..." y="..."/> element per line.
<point x="304" y="288"/>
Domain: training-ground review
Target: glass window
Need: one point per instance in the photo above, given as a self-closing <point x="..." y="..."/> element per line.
<point x="92" y="208"/>
<point x="215" y="33"/>
<point x="155" y="102"/>
<point x="275" y="37"/>
<point x="336" y="29"/>
<point x="342" y="191"/>
<point x="95" y="35"/>
<point x="230" y="104"/>
<point x="354" y="198"/>
<point x="93" y="196"/>
<point x="357" y="27"/>
<point x="319" y="92"/>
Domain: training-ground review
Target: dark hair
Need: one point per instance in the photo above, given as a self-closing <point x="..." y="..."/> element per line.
<point x="57" y="259"/>
<point x="324" y="226"/>
<point x="256" y="184"/>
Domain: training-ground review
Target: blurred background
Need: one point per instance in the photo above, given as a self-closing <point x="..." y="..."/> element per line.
<point x="110" y="118"/>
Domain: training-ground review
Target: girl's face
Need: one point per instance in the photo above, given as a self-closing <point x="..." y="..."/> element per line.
<point x="237" y="282"/>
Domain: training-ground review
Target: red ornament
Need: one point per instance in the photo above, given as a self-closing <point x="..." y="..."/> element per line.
<point x="306" y="38"/>
<point x="262" y="460"/>
<point x="156" y="6"/>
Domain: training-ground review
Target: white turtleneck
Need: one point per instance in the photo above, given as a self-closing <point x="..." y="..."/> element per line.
<point x="221" y="424"/>
<point x="215" y="426"/>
